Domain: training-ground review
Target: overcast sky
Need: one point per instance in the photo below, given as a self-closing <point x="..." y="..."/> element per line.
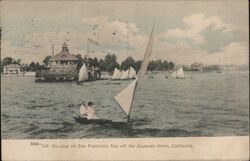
<point x="211" y="32"/>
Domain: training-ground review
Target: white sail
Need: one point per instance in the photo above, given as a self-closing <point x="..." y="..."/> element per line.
<point x="174" y="74"/>
<point x="125" y="74"/>
<point x="132" y="73"/>
<point x="180" y="73"/>
<point x="83" y="73"/>
<point x="146" y="58"/>
<point x="116" y="74"/>
<point x="125" y="98"/>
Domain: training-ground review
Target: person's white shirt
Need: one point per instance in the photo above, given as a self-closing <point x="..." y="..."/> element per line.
<point x="83" y="111"/>
<point x="87" y="112"/>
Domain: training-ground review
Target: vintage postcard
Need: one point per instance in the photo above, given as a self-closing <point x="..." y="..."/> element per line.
<point x="124" y="80"/>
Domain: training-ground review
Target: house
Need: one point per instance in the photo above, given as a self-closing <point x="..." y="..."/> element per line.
<point x="196" y="66"/>
<point x="14" y="69"/>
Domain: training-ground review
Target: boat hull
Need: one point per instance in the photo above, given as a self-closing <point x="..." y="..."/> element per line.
<point x="104" y="122"/>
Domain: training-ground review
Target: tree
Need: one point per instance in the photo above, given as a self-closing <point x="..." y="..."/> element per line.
<point x="102" y="64"/>
<point x="165" y="65"/>
<point x="138" y="65"/>
<point x="171" y="65"/>
<point x="85" y="58"/>
<point x="7" y="61"/>
<point x="79" y="56"/>
<point x="38" y="67"/>
<point x="151" y="65"/>
<point x="46" y="60"/>
<point x="95" y="62"/>
<point x="127" y="63"/>
<point x="110" y="58"/>
<point x="80" y="61"/>
<point x="158" y="65"/>
<point x="111" y="67"/>
<point x="32" y="66"/>
<point x="111" y="63"/>
<point x="18" y="61"/>
<point x="1" y="65"/>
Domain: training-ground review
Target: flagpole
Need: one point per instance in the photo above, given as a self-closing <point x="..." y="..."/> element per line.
<point x="87" y="45"/>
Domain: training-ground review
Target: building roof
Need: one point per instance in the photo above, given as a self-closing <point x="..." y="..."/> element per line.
<point x="13" y="66"/>
<point x="197" y="64"/>
<point x="64" y="54"/>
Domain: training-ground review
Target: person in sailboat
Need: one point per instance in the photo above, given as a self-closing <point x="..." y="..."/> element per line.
<point x="82" y="110"/>
<point x="87" y="111"/>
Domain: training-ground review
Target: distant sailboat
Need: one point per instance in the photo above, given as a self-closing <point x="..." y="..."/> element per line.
<point x="83" y="74"/>
<point x="125" y="75"/>
<point x="178" y="74"/>
<point x="132" y="73"/>
<point x="116" y="75"/>
<point x="125" y="98"/>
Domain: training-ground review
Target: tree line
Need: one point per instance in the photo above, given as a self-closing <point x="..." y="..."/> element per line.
<point x="108" y="63"/>
<point x="33" y="66"/>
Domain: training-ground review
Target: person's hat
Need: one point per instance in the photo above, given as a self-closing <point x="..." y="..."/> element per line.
<point x="90" y="103"/>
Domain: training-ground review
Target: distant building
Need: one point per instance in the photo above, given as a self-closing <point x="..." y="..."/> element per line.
<point x="12" y="69"/>
<point x="63" y="60"/>
<point x="62" y="67"/>
<point x="197" y="66"/>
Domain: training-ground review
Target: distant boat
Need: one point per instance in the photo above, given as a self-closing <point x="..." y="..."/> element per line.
<point x="125" y="75"/>
<point x="116" y="75"/>
<point x="219" y="71"/>
<point x="105" y="76"/>
<point x="83" y="74"/>
<point x="151" y="76"/>
<point x="132" y="73"/>
<point x="178" y="74"/>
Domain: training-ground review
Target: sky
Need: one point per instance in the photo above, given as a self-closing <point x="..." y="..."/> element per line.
<point x="210" y="32"/>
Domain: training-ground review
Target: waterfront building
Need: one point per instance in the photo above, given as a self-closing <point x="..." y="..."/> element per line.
<point x="62" y="67"/>
<point x="14" y="69"/>
<point x="63" y="61"/>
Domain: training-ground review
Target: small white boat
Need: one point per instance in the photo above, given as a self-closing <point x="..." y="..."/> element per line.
<point x="132" y="73"/>
<point x="124" y="75"/>
<point x="178" y="74"/>
<point x="116" y="75"/>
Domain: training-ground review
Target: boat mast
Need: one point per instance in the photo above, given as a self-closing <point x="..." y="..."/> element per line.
<point x="131" y="104"/>
<point x="142" y="67"/>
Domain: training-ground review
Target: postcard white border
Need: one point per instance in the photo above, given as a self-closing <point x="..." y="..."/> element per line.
<point x="182" y="148"/>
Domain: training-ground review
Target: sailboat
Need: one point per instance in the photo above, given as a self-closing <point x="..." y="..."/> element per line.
<point x="116" y="75"/>
<point x="178" y="74"/>
<point x="132" y="73"/>
<point x="125" y="75"/>
<point x="83" y="74"/>
<point x="126" y="97"/>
